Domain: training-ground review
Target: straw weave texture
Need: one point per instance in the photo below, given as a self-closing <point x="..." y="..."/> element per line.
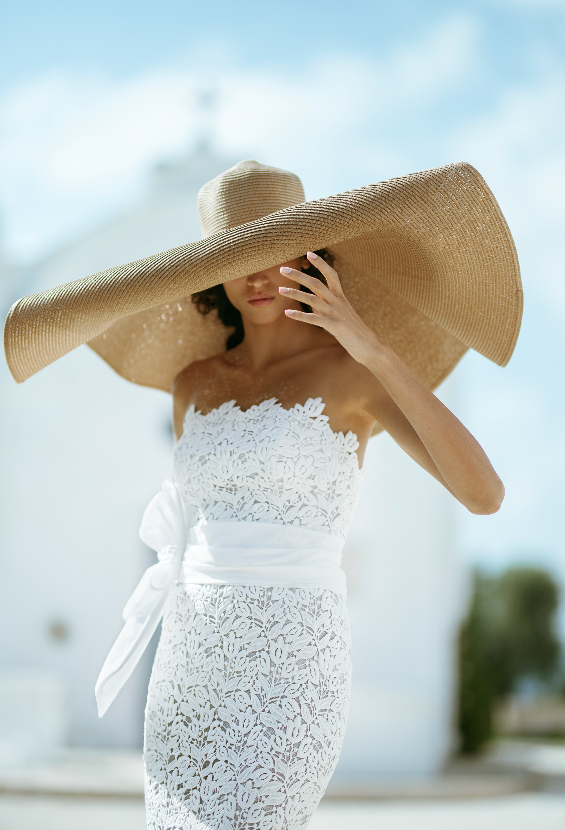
<point x="427" y="260"/>
<point x="246" y="192"/>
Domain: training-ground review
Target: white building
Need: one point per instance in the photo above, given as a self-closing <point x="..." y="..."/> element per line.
<point x="83" y="451"/>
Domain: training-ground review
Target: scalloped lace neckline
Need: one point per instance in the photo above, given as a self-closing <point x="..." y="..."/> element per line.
<point x="272" y="403"/>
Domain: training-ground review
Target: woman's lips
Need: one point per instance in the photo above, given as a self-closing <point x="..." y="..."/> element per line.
<point x="258" y="300"/>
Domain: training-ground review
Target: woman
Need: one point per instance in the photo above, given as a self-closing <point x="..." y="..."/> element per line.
<point x="249" y="692"/>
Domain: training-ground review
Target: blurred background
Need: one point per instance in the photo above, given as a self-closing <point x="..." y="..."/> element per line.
<point x="112" y="115"/>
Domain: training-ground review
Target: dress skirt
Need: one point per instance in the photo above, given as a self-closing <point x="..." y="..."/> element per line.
<point x="247" y="707"/>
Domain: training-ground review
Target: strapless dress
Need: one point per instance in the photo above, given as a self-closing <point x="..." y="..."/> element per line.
<point x="249" y="692"/>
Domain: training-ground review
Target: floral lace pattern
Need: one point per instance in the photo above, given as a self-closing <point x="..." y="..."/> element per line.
<point x="249" y="692"/>
<point x="247" y="707"/>
<point x="267" y="464"/>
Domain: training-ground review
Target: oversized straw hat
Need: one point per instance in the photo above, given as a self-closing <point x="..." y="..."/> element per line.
<point x="426" y="259"/>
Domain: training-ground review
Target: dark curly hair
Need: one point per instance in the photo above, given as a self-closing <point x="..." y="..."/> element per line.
<point x="216" y="298"/>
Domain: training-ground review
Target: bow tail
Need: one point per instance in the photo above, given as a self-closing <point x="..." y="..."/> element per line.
<point x="125" y="655"/>
<point x="163" y="529"/>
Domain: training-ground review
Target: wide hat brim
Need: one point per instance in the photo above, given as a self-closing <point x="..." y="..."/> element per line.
<point x="427" y="260"/>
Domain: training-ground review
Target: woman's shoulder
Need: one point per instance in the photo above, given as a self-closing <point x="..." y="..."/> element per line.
<point x="188" y="378"/>
<point x="186" y="384"/>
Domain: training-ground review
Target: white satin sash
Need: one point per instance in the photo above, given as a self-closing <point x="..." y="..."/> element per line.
<point x="235" y="553"/>
<point x="256" y="553"/>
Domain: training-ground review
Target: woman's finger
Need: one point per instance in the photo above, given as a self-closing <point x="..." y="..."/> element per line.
<point x="305" y="317"/>
<point x="314" y="284"/>
<point x="309" y="299"/>
<point x="331" y="275"/>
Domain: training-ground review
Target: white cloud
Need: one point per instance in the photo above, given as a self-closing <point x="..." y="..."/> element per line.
<point x="520" y="150"/>
<point x="74" y="147"/>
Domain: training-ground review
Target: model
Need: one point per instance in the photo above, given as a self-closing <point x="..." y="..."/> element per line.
<point x="289" y="335"/>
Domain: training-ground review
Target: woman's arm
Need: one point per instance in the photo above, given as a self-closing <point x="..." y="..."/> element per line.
<point x="414" y="417"/>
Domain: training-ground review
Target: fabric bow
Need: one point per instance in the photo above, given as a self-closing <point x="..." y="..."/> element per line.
<point x="163" y="529"/>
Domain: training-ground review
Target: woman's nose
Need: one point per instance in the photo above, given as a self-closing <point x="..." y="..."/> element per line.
<point x="257" y="280"/>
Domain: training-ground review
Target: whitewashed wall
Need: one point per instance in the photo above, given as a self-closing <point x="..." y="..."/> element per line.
<point x="83" y="452"/>
<point x="405" y="597"/>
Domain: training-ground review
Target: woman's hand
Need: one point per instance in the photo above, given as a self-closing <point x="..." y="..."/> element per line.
<point x="412" y="414"/>
<point x="331" y="310"/>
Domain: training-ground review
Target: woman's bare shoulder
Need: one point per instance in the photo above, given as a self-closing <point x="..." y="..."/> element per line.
<point x="187" y="383"/>
<point x="188" y="379"/>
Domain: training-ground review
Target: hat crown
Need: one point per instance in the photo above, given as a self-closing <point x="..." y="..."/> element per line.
<point x="246" y="192"/>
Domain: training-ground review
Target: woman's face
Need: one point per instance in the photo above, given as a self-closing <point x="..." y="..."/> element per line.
<point x="257" y="295"/>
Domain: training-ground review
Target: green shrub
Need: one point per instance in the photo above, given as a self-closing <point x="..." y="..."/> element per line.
<point x="509" y="634"/>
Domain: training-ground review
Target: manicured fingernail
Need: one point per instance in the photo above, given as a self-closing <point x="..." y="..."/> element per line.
<point x="285" y="270"/>
<point x="312" y="255"/>
<point x="283" y="290"/>
<point x="289" y="312"/>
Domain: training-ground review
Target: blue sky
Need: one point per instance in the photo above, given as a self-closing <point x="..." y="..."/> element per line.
<point x="127" y="37"/>
<point x="93" y="94"/>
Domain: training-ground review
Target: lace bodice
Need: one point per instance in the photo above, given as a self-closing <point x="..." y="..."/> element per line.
<point x="267" y="464"/>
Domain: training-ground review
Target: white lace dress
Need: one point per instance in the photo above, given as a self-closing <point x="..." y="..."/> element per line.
<point x="249" y="691"/>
